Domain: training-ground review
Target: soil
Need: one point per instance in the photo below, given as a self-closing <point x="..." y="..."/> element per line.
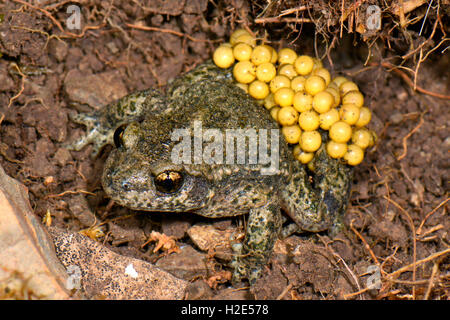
<point x="397" y="218"/>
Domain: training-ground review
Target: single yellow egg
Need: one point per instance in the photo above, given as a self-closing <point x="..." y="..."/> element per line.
<point x="274" y="113"/>
<point x="361" y="137"/>
<point x="242" y="51"/>
<point x="286" y="55"/>
<point x="333" y="85"/>
<point x="302" y="101"/>
<point x="354" y="155"/>
<point x="340" y="131"/>
<point x="261" y="54"/>
<point x="236" y="34"/>
<point x="324" y="73"/>
<point x="337" y="97"/>
<point x="314" y="85"/>
<point x="365" y="115"/>
<point x="317" y="63"/>
<point x="304" y="65"/>
<point x="298" y="83"/>
<point x="339" y="80"/>
<point x="279" y="82"/>
<point x="284" y="97"/>
<point x="310" y="141"/>
<point x="288" y="70"/>
<point x="269" y="101"/>
<point x="305" y="157"/>
<point x="274" y="56"/>
<point x="244" y="72"/>
<point x="243" y="86"/>
<point x="323" y="101"/>
<point x="327" y="119"/>
<point x="373" y="138"/>
<point x="258" y="89"/>
<point x="355" y="97"/>
<point x="349" y="113"/>
<point x="246" y="38"/>
<point x="287" y="116"/>
<point x="260" y="102"/>
<point x="335" y="149"/>
<point x="223" y="57"/>
<point x="291" y="133"/>
<point x="309" y="120"/>
<point x="296" y="151"/>
<point x="266" y="72"/>
<point x="347" y="86"/>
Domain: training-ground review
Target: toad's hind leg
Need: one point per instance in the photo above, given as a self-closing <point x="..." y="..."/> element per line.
<point x="101" y="124"/>
<point x="318" y="205"/>
<point x="263" y="228"/>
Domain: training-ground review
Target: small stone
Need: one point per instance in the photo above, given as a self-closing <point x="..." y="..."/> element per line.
<point x="212" y="240"/>
<point x="112" y="47"/>
<point x="58" y="49"/>
<point x="198" y="290"/>
<point x="62" y="157"/>
<point x="96" y="90"/>
<point x="396" y="118"/>
<point x="196" y="7"/>
<point x="49" y="180"/>
<point x="6" y="81"/>
<point x="174" y="227"/>
<point x="187" y="264"/>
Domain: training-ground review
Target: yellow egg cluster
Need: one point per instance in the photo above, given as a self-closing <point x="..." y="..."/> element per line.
<point x="301" y="96"/>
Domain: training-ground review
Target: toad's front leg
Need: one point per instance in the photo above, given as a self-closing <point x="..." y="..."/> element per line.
<point x="263" y="226"/>
<point x="101" y="124"/>
<point x="319" y="205"/>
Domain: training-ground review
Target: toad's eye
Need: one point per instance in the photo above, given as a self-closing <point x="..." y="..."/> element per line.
<point x="118" y="134"/>
<point x="168" y="181"/>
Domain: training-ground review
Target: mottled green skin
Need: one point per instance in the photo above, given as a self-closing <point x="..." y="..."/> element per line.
<point x="208" y="94"/>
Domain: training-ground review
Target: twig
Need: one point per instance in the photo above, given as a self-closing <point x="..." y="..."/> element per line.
<point x="356" y="293"/>
<point x="285" y="291"/>
<point x="69" y="192"/>
<point x="419" y="229"/>
<point x="425" y="19"/>
<point x="292" y="10"/>
<point x="388" y="65"/>
<point x="342" y="19"/>
<point x="409" y="54"/>
<point x="342" y="260"/>
<point x="405" y="138"/>
<point x="38" y="31"/>
<point x="280" y="19"/>
<point x="413" y="230"/>
<point x="417" y="263"/>
<point x="402" y="14"/>
<point x="365" y="243"/>
<point x="22" y="85"/>
<point x="179" y="34"/>
<point x="430" y="285"/>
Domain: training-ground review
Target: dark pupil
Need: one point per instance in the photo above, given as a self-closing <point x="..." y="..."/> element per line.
<point x="118" y="135"/>
<point x="168" y="182"/>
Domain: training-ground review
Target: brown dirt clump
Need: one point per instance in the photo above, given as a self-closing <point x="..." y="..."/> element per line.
<point x="397" y="220"/>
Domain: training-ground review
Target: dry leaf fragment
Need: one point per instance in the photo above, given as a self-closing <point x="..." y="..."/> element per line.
<point x="166" y="243"/>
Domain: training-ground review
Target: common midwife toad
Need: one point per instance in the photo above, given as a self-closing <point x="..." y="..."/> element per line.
<point x="141" y="174"/>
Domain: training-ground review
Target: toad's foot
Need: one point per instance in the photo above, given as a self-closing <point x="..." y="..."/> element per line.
<point x="263" y="228"/>
<point x="320" y="205"/>
<point x="96" y="134"/>
<point x="102" y="124"/>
